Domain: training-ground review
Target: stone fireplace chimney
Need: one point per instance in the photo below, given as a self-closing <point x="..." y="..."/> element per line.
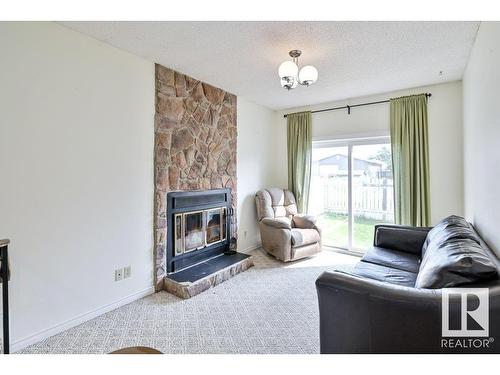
<point x="195" y="148"/>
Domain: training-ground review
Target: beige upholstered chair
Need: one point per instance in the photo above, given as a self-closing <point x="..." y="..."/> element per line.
<point x="285" y="234"/>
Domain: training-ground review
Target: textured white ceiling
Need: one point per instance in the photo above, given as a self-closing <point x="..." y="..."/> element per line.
<point x="353" y="58"/>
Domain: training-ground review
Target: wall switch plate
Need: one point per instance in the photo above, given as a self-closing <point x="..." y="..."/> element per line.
<point x="119" y="274"/>
<point x="127" y="272"/>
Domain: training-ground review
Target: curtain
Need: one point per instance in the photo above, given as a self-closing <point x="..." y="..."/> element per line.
<point x="410" y="160"/>
<point x="299" y="145"/>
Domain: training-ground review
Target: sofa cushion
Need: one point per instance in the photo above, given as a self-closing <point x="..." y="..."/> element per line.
<point x="451" y="227"/>
<point x="301" y="237"/>
<point x="454" y="256"/>
<point x="401" y="238"/>
<point x="454" y="262"/>
<point x="392" y="258"/>
<point x="383" y="273"/>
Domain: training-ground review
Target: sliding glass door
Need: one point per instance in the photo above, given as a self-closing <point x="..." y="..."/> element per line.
<point x="329" y="194"/>
<point x="351" y="190"/>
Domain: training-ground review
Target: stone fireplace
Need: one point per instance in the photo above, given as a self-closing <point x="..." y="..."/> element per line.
<point x="195" y="149"/>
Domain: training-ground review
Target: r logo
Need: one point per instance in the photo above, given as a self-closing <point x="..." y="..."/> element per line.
<point x="465" y="312"/>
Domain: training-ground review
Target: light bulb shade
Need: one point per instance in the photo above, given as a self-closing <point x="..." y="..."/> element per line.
<point x="288" y="69"/>
<point x="308" y="75"/>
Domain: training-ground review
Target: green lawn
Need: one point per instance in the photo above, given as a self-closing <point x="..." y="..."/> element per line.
<point x="334" y="230"/>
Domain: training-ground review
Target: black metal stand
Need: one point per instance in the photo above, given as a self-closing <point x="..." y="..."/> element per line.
<point x="4" y="273"/>
<point x="231" y="246"/>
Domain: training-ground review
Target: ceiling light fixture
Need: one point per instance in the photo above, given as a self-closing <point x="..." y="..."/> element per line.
<point x="289" y="73"/>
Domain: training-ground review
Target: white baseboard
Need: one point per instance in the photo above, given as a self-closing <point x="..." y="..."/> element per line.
<point x="250" y="248"/>
<point x="77" y="320"/>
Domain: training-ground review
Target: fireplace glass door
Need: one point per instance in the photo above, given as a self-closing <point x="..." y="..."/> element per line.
<point x="213" y="226"/>
<point x="194" y="231"/>
<point x="179" y="236"/>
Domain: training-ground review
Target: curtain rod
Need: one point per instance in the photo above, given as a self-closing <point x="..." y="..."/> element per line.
<point x="348" y="107"/>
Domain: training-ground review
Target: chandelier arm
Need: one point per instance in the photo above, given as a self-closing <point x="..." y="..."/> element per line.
<point x="295" y="59"/>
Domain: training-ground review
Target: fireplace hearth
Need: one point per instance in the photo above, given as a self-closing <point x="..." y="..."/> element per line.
<point x="200" y="227"/>
<point x="198" y="242"/>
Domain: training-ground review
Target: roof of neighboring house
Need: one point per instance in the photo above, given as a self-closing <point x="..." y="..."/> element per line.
<point x="330" y="160"/>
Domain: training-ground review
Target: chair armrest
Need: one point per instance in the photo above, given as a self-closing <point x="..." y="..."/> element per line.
<point x="401" y="238"/>
<point x="282" y="223"/>
<point x="304" y="221"/>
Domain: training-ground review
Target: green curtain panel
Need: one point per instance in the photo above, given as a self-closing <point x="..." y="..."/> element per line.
<point x="410" y="160"/>
<point x="299" y="145"/>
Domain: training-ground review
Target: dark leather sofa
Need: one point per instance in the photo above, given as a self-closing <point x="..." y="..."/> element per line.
<point x="380" y="307"/>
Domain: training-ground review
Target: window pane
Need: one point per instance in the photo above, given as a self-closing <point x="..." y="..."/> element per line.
<point x="329" y="194"/>
<point x="372" y="186"/>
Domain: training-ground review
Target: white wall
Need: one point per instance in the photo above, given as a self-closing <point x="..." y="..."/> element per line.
<point x="256" y="166"/>
<point x="76" y="167"/>
<point x="445" y="137"/>
<point x="482" y="134"/>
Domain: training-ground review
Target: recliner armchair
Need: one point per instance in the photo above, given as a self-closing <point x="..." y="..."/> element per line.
<point x="286" y="234"/>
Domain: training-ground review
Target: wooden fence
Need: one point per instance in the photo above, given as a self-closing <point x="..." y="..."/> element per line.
<point x="373" y="201"/>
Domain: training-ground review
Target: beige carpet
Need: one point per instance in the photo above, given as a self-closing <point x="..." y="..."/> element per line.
<point x="271" y="308"/>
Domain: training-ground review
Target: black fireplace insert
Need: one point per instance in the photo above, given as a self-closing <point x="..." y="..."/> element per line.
<point x="198" y="226"/>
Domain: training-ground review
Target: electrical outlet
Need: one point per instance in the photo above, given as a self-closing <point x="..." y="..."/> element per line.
<point x="119" y="274"/>
<point x="245" y="234"/>
<point x="127" y="272"/>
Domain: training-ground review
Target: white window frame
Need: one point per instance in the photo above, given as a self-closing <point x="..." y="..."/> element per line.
<point x="350" y="142"/>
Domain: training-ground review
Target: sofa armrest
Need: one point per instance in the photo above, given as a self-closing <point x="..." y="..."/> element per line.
<point x="280" y="222"/>
<point x="360" y="315"/>
<point x="375" y="288"/>
<point x="304" y="221"/>
<point x="401" y="238"/>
